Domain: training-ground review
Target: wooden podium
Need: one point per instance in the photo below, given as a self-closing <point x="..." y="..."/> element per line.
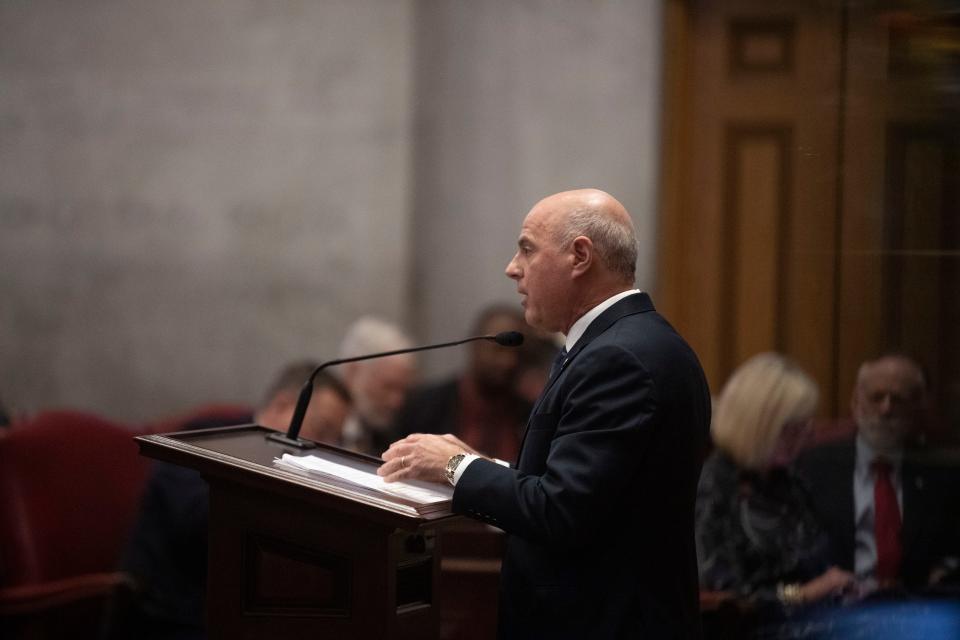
<point x="292" y="556"/>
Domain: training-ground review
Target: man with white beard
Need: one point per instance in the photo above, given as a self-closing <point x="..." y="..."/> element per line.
<point x="890" y="513"/>
<point x="378" y="387"/>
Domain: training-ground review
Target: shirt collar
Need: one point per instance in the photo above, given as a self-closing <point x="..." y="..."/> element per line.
<point x="580" y="326"/>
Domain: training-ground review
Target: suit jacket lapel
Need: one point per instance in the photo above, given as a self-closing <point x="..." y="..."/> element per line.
<point x="913" y="483"/>
<point x="845" y="501"/>
<point x="637" y="303"/>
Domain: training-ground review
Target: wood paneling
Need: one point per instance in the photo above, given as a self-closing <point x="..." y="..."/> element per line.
<point x="749" y="184"/>
<point x="756" y="213"/>
<point x="285" y="579"/>
<point x="920" y="242"/>
<point x="761" y="45"/>
<point x="810" y="188"/>
<point x="899" y="271"/>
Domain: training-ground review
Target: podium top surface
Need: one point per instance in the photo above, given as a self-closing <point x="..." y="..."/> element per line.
<point x="244" y="454"/>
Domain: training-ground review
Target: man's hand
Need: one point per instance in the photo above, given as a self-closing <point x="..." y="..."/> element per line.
<point x="449" y="437"/>
<point x="420" y="456"/>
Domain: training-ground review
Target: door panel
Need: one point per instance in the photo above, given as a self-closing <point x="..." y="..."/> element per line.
<point x="809" y="189"/>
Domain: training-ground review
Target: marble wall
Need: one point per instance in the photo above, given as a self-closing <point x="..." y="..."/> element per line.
<point x="515" y="101"/>
<point x="193" y="192"/>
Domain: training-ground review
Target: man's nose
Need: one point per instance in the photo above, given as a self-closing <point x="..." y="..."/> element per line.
<point x="886" y="404"/>
<point x="512" y="271"/>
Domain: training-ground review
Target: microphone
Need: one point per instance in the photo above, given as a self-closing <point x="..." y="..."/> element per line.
<point x="291" y="437"/>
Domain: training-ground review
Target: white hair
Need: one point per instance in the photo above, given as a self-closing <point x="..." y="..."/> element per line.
<point x="369" y="334"/>
<point x="912" y="372"/>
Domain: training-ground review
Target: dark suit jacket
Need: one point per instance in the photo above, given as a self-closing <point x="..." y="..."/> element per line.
<point x="928" y="506"/>
<point x="167" y="552"/>
<point x="600" y="510"/>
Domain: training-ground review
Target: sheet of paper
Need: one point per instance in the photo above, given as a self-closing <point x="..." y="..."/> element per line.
<point x="420" y="492"/>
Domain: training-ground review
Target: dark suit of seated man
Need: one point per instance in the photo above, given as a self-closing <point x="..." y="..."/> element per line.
<point x="600" y="506"/>
<point x="167" y="552"/>
<point x="890" y="512"/>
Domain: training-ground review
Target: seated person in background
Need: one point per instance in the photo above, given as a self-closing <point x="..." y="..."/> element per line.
<point x="481" y="405"/>
<point x="757" y="536"/>
<point x="890" y="514"/>
<point x="166" y="556"/>
<point x="378" y="387"/>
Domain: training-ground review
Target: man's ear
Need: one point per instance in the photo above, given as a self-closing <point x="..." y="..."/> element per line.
<point x="582" y="250"/>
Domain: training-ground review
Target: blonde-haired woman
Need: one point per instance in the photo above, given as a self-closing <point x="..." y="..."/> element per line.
<point x="757" y="537"/>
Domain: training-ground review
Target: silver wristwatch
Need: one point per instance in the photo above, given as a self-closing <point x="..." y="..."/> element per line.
<point x="452" y="465"/>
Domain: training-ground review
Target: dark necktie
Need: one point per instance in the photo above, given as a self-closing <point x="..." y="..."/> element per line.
<point x="558" y="362"/>
<point x="886" y="522"/>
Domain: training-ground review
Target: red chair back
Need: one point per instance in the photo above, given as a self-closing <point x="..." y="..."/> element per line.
<point x="70" y="484"/>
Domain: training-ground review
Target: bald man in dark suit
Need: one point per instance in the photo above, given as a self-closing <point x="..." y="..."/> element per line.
<point x="599" y="507"/>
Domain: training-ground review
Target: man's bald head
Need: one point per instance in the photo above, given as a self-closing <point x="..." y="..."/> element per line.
<point x="576" y="249"/>
<point x="597" y="215"/>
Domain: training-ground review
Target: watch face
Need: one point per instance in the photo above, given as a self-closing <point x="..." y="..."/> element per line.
<point x="452" y="465"/>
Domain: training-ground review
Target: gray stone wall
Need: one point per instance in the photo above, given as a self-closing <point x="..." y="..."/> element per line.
<point x="194" y="192"/>
<point x="515" y="101"/>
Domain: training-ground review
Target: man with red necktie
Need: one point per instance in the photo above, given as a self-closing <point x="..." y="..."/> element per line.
<point x="890" y="514"/>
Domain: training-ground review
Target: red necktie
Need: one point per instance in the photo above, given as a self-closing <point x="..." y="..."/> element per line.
<point x="886" y="522"/>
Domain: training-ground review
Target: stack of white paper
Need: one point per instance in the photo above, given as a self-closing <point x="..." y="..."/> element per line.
<point x="420" y="492"/>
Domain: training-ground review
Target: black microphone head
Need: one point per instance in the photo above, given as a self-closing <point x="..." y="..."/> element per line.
<point x="509" y="338"/>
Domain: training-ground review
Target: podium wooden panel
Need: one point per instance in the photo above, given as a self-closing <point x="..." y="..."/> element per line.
<point x="295" y="556"/>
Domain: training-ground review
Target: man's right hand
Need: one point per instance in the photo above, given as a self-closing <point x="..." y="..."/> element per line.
<point x="452" y="439"/>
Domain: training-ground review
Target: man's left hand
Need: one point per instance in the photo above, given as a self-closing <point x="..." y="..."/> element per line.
<point x="420" y="456"/>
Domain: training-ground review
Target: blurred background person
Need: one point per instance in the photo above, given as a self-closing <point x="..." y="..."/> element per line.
<point x="166" y="557"/>
<point x="889" y="509"/>
<point x="757" y="537"/>
<point x="326" y="414"/>
<point x="378" y="387"/>
<point x="481" y="405"/>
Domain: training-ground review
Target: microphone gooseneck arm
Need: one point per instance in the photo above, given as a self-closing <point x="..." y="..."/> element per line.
<point x="291" y="438"/>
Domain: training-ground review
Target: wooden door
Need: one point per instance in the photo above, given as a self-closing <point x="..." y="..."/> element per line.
<point x="806" y="191"/>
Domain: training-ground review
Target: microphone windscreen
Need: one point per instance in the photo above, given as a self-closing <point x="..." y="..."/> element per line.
<point x="509" y="338"/>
